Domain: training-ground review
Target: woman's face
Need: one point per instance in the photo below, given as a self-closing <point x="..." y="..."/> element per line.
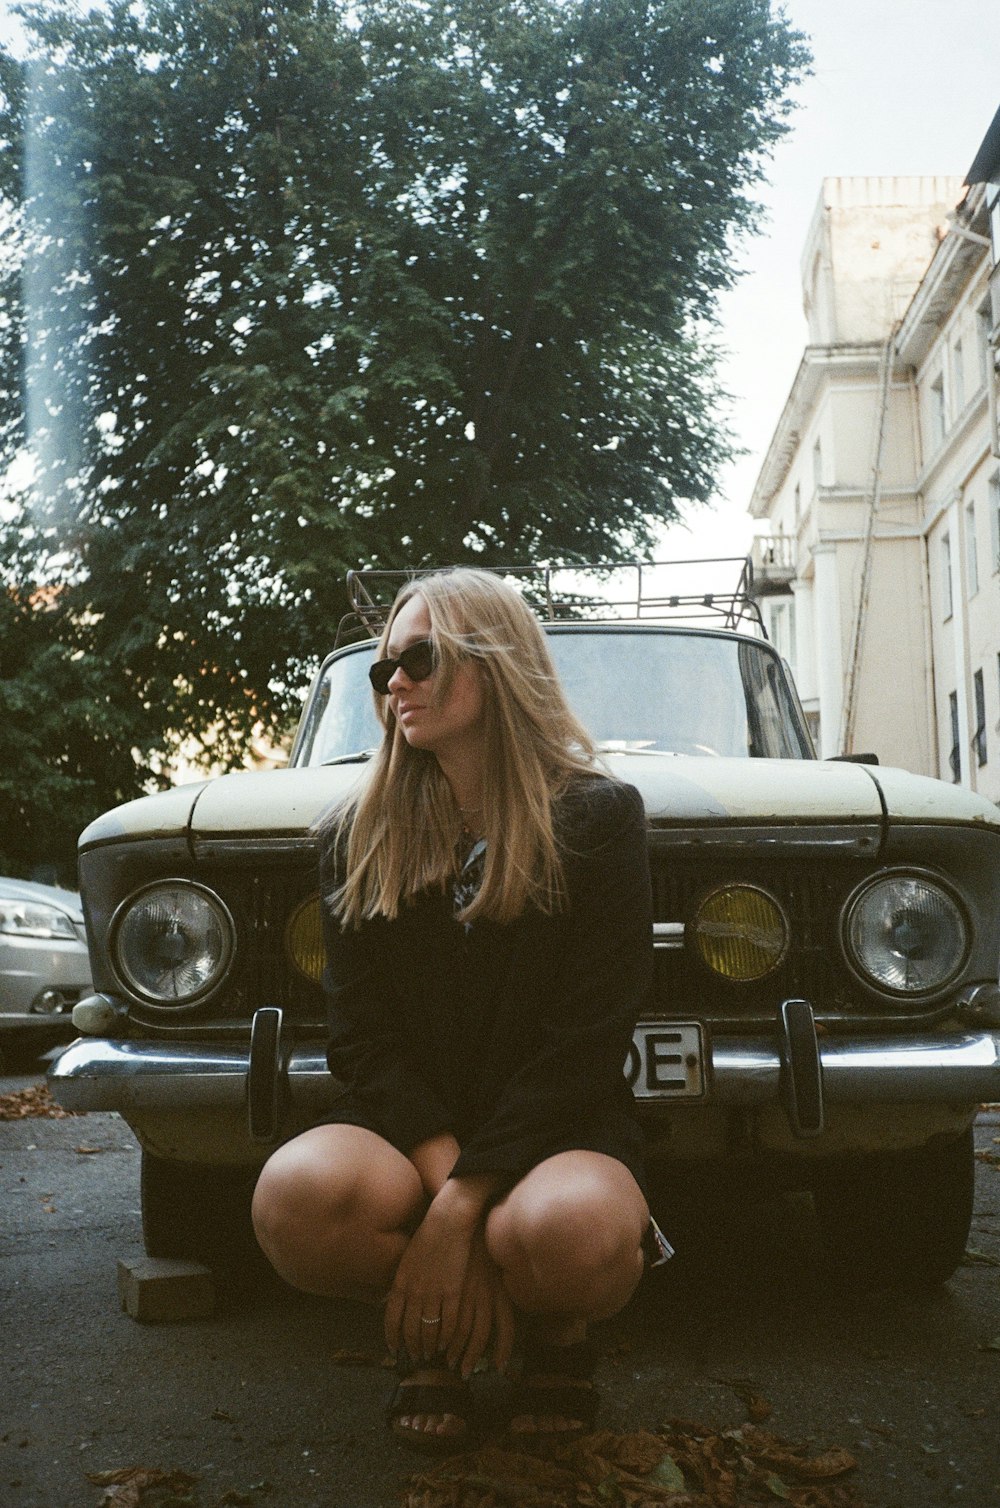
<point x="448" y="727"/>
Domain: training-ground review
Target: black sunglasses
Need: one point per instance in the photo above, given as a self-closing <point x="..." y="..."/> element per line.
<point x="416" y="662"/>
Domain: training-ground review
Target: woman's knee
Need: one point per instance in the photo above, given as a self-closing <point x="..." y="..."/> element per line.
<point x="577" y="1218"/>
<point x="329" y="1187"/>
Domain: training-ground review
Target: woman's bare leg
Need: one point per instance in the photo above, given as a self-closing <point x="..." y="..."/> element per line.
<point x="567" y="1239"/>
<point x="333" y="1211"/>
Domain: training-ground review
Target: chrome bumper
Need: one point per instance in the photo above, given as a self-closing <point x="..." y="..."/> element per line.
<point x="130" y="1077"/>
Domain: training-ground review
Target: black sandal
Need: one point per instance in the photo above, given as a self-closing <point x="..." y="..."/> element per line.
<point x="449" y="1395"/>
<point x="555" y="1382"/>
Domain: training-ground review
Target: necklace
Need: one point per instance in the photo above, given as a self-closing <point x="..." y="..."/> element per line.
<point x="469" y="826"/>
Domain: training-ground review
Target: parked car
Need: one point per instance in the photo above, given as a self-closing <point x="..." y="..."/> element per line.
<point x="44" y="967"/>
<point x="827" y="933"/>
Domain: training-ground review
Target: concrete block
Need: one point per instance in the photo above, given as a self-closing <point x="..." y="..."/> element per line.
<point x="154" y="1289"/>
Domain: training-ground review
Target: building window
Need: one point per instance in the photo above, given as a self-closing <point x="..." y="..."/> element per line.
<point x="984" y="326"/>
<point x="955" y="757"/>
<point x="957" y="378"/>
<point x="946" y="574"/>
<point x="937" y="411"/>
<point x="994" y="494"/>
<point x="971" y="552"/>
<point x="818" y="464"/>
<point x="979" y="741"/>
<point x="782" y="633"/>
<point x="798" y="504"/>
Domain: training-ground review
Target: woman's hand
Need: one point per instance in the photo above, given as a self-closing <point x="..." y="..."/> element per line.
<point x="484" y="1312"/>
<point x="422" y="1310"/>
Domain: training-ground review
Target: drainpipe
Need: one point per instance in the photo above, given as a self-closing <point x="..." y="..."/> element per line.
<point x="956" y="537"/>
<point x="829" y="650"/>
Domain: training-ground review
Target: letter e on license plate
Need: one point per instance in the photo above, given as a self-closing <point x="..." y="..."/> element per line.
<point x="666" y="1061"/>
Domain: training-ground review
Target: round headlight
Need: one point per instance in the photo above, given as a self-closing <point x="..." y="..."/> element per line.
<point x="905" y="934"/>
<point x="304" y="939"/>
<point x="172" y="942"/>
<point x="740" y="932"/>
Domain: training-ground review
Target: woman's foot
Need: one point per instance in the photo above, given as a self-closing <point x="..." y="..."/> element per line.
<point x="555" y="1396"/>
<point x="429" y="1409"/>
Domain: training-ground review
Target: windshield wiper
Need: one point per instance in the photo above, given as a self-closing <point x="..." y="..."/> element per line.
<point x="360" y="758"/>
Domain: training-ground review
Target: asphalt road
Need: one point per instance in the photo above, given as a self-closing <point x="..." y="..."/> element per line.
<point x="255" y="1402"/>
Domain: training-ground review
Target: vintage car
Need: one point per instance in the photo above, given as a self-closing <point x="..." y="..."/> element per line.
<point x="826" y="1013"/>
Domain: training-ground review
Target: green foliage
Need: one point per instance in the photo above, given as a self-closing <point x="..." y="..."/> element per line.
<point x="309" y="285"/>
<point x="67" y="734"/>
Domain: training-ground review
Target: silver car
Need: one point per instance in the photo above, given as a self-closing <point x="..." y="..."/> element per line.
<point x="44" y="967"/>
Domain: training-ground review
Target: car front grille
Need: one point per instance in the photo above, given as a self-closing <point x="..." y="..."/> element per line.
<point x="811" y="895"/>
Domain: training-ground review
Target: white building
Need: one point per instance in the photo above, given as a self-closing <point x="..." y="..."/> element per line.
<point x="881" y="486"/>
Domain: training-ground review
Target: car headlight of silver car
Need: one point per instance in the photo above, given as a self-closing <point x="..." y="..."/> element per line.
<point x="35" y="919"/>
<point x="172" y="942"/>
<point x="905" y="934"/>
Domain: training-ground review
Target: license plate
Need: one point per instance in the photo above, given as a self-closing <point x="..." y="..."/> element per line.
<point x="667" y="1061"/>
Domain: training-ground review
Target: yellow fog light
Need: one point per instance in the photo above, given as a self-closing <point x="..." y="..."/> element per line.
<point x="304" y="939"/>
<point x="740" y="932"/>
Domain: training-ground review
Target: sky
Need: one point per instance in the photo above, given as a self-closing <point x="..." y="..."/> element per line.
<point x="899" y="87"/>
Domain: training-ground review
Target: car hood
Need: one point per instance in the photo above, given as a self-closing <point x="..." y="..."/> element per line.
<point x="678" y="791"/>
<point x="46" y="895"/>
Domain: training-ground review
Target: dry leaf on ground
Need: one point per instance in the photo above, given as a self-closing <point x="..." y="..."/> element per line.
<point x="33" y="1101"/>
<point x="685" y="1465"/>
<point x="759" y="1408"/>
<point x="144" y="1487"/>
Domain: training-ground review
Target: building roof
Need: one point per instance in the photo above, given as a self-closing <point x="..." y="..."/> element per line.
<point x="986" y="167"/>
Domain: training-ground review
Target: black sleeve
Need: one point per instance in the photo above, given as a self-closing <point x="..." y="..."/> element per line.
<point x="383" y="1091"/>
<point x="603" y="976"/>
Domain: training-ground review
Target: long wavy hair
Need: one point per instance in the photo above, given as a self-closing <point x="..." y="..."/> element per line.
<point x="402" y="827"/>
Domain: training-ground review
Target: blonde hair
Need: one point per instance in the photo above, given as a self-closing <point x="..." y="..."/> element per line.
<point x="402" y="827"/>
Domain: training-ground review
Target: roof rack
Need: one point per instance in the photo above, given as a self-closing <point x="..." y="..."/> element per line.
<point x="592" y="594"/>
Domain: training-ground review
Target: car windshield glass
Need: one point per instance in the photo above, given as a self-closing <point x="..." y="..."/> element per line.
<point x="645" y="691"/>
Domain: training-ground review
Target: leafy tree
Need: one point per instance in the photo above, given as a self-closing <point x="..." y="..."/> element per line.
<point x="67" y="741"/>
<point x="310" y="284"/>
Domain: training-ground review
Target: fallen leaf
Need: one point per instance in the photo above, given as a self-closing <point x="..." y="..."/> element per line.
<point x="49" y="1209"/>
<point x="777" y="1486"/>
<point x="668" y="1474"/>
<point x="758" y="1407"/>
<point x="974" y="1258"/>
<point x="86" y="1151"/>
<point x="144" y="1487"/>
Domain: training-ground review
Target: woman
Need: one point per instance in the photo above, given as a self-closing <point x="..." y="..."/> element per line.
<point x="489" y="947"/>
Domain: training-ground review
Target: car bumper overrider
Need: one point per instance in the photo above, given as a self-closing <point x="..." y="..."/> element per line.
<point x="270" y="1090"/>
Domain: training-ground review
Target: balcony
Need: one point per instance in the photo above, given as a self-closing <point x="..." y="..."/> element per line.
<point x="773" y="560"/>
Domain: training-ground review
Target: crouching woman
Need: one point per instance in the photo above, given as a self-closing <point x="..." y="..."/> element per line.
<point x="489" y="946"/>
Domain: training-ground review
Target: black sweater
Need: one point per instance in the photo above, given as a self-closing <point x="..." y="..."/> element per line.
<point x="514" y="1037"/>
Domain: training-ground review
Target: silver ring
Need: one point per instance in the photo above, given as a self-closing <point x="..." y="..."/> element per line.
<point x="430" y="1322"/>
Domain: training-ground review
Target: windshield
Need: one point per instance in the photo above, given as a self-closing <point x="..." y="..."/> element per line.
<point x="655" y="691"/>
